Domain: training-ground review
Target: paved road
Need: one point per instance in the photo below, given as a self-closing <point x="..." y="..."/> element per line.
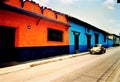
<point x="87" y="68"/>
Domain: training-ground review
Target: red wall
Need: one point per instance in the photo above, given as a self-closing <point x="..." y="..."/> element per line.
<point x="49" y="13"/>
<point x="31" y="6"/>
<point x="37" y="35"/>
<point x="15" y="3"/>
<point x="61" y="18"/>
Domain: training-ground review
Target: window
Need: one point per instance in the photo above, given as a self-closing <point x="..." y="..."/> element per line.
<point x="55" y="35"/>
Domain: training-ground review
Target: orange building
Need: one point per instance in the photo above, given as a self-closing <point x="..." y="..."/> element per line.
<point x="27" y="31"/>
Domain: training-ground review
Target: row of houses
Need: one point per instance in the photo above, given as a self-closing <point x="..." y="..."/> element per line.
<point x="29" y="32"/>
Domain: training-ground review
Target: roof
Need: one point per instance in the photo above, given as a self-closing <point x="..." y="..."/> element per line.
<point x="75" y="20"/>
<point x="29" y="13"/>
<point x="116" y="35"/>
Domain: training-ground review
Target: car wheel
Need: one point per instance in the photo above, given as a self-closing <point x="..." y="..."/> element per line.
<point x="90" y="52"/>
<point x="93" y="53"/>
<point x="103" y="52"/>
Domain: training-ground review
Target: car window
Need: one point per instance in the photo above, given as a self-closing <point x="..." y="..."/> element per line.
<point x="97" y="45"/>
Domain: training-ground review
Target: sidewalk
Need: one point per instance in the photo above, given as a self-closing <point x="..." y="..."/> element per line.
<point x="33" y="63"/>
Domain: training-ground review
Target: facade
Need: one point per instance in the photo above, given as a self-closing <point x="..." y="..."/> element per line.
<point x="83" y="36"/>
<point x="110" y="40"/>
<point x="28" y="31"/>
<point x="116" y="40"/>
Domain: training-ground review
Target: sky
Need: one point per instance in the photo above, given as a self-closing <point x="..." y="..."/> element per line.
<point x="104" y="14"/>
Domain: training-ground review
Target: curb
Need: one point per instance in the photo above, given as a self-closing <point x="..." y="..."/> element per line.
<point x="30" y="64"/>
<point x="57" y="59"/>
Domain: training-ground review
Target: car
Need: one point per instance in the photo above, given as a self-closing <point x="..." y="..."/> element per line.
<point x="97" y="48"/>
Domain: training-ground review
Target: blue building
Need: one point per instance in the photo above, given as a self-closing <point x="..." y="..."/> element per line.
<point x="116" y="39"/>
<point x="83" y="36"/>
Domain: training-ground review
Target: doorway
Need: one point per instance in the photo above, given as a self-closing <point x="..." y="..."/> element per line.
<point x="76" y="41"/>
<point x="7" y="40"/>
<point x="88" y="41"/>
<point x="96" y="38"/>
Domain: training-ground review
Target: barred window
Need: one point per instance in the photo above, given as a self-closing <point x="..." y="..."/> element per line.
<point x="55" y="35"/>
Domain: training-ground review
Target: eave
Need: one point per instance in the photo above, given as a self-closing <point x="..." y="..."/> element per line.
<point x="86" y="25"/>
<point x="28" y="13"/>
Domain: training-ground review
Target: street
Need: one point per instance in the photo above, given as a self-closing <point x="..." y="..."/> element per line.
<point x="86" y="68"/>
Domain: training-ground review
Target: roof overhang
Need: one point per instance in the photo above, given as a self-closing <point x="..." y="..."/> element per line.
<point x="28" y="13"/>
<point x="85" y="24"/>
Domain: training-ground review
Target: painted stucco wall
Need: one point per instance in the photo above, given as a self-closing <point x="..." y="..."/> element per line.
<point x="37" y="35"/>
<point x="83" y="37"/>
<point x="116" y="40"/>
<point x="110" y="43"/>
<point x="32" y="43"/>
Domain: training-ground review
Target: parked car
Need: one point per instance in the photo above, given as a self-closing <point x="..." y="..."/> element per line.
<point x="98" y="48"/>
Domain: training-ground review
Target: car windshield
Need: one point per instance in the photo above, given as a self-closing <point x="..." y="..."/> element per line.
<point x="97" y="45"/>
